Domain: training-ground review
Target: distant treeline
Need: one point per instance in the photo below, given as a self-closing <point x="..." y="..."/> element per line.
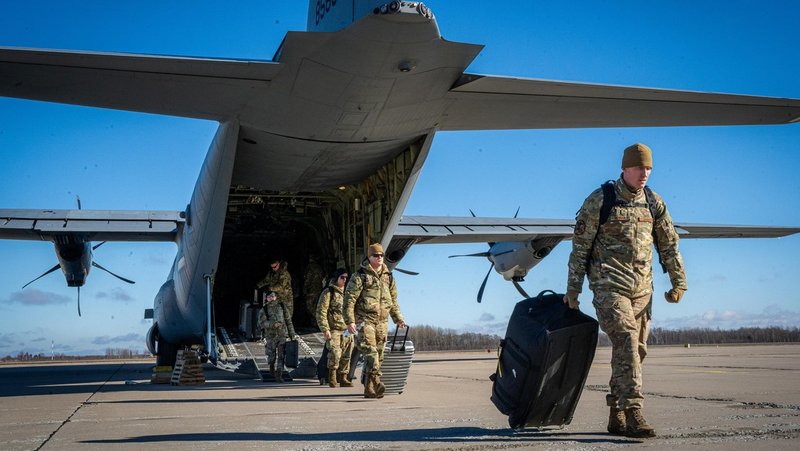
<point x="428" y="338"/>
<point x="702" y="336"/>
<point x="111" y="353"/>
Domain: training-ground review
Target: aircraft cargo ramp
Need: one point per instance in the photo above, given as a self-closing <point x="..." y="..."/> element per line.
<point x="243" y="355"/>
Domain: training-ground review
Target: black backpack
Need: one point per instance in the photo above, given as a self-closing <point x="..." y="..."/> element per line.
<point x="610" y="200"/>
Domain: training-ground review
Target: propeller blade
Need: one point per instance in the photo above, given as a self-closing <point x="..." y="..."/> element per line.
<point x="505" y="252"/>
<point x="479" y="254"/>
<point x="405" y="271"/>
<point x="472" y="212"/>
<point x="118" y="277"/>
<point x="483" y="285"/>
<point x="519" y="288"/>
<point x="78" y="198"/>
<point x="98" y="245"/>
<point x="515" y="214"/>
<point x="46" y="273"/>
<point x="79" y="301"/>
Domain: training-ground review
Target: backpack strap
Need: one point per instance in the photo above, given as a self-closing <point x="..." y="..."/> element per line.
<point x="364" y="277"/>
<point x="609" y="200"/>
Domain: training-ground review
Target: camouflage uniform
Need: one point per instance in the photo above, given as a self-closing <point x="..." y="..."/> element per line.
<point x="277" y="326"/>
<point x="280" y="282"/>
<point x="372" y="304"/>
<point x="313" y="282"/>
<point x="330" y="317"/>
<point x="620" y="273"/>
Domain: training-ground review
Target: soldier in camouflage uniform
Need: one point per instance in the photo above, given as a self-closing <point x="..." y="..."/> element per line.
<point x="369" y="299"/>
<point x="274" y="320"/>
<point x="617" y="256"/>
<point x="339" y="341"/>
<point x="313" y="283"/>
<point x="279" y="280"/>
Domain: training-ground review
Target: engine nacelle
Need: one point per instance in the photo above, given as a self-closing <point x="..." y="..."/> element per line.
<point x="74" y="258"/>
<point x="513" y="259"/>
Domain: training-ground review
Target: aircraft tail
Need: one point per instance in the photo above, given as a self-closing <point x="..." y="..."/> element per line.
<point x="333" y="15"/>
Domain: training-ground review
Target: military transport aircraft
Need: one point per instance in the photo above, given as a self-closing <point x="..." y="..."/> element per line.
<point x="320" y="148"/>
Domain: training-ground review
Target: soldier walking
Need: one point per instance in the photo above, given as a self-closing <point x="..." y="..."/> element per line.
<point x="369" y="299"/>
<point x="615" y="231"/>
<point x="338" y="340"/>
<point x="279" y="281"/>
<point x="276" y="323"/>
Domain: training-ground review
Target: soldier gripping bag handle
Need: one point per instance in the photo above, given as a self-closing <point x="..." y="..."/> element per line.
<point x="276" y="323"/>
<point x="338" y="340"/>
<point x="615" y="231"/>
<point x="370" y="298"/>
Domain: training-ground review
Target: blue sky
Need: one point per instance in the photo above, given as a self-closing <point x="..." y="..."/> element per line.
<point x="50" y="153"/>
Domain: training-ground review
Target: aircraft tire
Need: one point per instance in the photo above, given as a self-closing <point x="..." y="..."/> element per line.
<point x="167" y="353"/>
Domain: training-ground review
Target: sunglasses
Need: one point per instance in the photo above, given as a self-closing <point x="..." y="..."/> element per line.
<point x="343" y="276"/>
<point x="377" y="255"/>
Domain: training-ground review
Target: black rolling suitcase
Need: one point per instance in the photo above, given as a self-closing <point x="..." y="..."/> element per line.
<point x="322" y="366"/>
<point x="291" y="354"/>
<point x="543" y="362"/>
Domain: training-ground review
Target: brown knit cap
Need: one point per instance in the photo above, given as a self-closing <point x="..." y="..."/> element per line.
<point x="375" y="249"/>
<point x="637" y="155"/>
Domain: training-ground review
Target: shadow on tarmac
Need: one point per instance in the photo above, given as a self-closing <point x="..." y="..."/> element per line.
<point x="444" y="435"/>
<point x="58" y="379"/>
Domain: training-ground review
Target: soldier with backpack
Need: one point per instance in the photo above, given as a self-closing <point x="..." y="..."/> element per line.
<point x="615" y="231"/>
<point x="369" y="299"/>
<point x="276" y="322"/>
<point x="338" y="341"/>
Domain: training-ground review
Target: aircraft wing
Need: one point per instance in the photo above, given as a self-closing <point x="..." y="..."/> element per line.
<point x="92" y="225"/>
<point x="179" y="86"/>
<point x="496" y="103"/>
<point x="451" y="229"/>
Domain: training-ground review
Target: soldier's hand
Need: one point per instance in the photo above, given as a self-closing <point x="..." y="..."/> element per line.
<point x="352" y="328"/>
<point x="674" y="295"/>
<point x="571" y="299"/>
<point x="296" y="337"/>
<point x="401" y="324"/>
<point x="327" y="334"/>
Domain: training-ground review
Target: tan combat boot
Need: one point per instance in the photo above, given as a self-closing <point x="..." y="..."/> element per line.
<point x="636" y="425"/>
<point x="616" y="422"/>
<point x="332" y="378"/>
<point x="369" y="388"/>
<point x="379" y="387"/>
<point x="343" y="380"/>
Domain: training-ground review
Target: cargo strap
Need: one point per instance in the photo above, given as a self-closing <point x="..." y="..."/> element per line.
<point x="499" y="371"/>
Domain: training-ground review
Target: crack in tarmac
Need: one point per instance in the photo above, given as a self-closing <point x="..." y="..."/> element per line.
<point x="741" y="404"/>
<point x="793" y="432"/>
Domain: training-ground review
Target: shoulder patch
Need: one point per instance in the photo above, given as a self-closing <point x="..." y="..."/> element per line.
<point x="580" y="227"/>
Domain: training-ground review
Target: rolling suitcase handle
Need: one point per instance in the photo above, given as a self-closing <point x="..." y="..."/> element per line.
<point x="405" y="337"/>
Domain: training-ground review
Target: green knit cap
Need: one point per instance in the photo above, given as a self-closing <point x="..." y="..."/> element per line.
<point x="637" y="155"/>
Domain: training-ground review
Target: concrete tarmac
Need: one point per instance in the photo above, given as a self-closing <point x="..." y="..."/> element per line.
<point x="727" y="397"/>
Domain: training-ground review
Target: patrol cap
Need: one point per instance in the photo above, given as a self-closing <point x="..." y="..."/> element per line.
<point x="375" y="249"/>
<point x="637" y="155"/>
